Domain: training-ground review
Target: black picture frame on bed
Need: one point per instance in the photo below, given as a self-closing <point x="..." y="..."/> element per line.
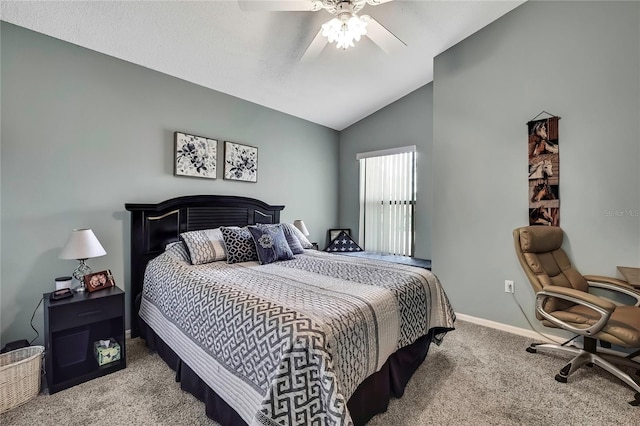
<point x="333" y="233"/>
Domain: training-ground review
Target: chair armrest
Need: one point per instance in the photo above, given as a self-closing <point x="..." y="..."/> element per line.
<point x="599" y="304"/>
<point x="609" y="280"/>
<point x="583" y="297"/>
<point x="613" y="284"/>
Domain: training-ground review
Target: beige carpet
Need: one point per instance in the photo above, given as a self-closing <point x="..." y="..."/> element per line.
<point x="478" y="376"/>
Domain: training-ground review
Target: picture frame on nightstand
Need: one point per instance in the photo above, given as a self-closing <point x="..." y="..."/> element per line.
<point x="99" y="280"/>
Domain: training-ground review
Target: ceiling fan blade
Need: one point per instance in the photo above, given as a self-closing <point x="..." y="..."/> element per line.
<point x="280" y="5"/>
<point x="377" y="2"/>
<point x="314" y="49"/>
<point x="381" y="36"/>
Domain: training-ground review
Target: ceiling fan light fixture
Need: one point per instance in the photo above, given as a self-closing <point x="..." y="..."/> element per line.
<point x="344" y="30"/>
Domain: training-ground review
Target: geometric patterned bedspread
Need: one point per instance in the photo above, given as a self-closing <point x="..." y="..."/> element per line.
<point x="289" y="342"/>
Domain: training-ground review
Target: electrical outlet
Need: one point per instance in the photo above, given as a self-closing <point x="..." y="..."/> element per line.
<point x="509" y="286"/>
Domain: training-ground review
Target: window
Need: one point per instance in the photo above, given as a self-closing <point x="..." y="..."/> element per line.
<point x="387" y="200"/>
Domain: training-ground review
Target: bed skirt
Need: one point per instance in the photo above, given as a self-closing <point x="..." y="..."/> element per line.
<point x="370" y="398"/>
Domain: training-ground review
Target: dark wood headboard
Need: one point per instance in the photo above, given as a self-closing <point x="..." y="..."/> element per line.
<point x="153" y="226"/>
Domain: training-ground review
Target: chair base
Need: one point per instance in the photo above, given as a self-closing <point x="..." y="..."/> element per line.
<point x="595" y="356"/>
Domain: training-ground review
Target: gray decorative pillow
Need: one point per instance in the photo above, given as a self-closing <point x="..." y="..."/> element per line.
<point x="271" y="244"/>
<point x="204" y="246"/>
<point x="304" y="242"/>
<point x="239" y="244"/>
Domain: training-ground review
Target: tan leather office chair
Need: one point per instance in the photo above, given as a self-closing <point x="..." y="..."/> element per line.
<point x="563" y="301"/>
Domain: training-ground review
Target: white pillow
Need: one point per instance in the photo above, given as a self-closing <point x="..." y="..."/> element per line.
<point x="204" y="246"/>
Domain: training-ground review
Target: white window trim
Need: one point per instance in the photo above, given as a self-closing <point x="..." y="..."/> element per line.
<point x="383" y="152"/>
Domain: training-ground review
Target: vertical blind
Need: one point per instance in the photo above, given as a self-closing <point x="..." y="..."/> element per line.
<point x="387" y="201"/>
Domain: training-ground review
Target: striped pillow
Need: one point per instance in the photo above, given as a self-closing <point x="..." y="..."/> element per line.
<point x="291" y="229"/>
<point x="204" y="246"/>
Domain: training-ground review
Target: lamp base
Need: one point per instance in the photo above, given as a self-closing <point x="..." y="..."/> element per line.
<point x="79" y="273"/>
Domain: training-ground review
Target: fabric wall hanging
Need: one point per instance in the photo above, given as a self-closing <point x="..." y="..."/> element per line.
<point x="544" y="171"/>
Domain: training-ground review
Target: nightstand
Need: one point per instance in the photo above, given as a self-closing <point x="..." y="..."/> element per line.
<point x="72" y="326"/>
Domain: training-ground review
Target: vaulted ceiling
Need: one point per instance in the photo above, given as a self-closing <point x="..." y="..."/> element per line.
<point x="255" y="55"/>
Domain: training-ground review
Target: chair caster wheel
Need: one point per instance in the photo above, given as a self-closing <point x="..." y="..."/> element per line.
<point x="636" y="401"/>
<point x="532" y="350"/>
<point x="561" y="379"/>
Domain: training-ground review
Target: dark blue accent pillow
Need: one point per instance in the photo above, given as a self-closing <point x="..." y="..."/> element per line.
<point x="292" y="239"/>
<point x="271" y="244"/>
<point x="342" y="243"/>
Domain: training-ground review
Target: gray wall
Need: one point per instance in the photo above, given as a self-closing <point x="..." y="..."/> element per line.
<point x="408" y="121"/>
<point x="579" y="60"/>
<point x="67" y="111"/>
<point x="84" y="133"/>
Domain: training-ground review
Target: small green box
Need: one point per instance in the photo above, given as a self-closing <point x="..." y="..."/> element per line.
<point x="106" y="354"/>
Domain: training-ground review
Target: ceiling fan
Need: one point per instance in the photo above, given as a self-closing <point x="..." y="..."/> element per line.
<point x="344" y="29"/>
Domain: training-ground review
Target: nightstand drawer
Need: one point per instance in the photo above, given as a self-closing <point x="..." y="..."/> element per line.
<point x="72" y="315"/>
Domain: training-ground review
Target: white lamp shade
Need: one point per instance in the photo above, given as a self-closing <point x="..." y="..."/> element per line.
<point x="82" y="244"/>
<point x="300" y="225"/>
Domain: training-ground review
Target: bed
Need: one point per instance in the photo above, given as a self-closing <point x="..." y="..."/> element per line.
<point x="318" y="339"/>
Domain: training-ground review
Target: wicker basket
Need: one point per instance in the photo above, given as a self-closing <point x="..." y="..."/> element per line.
<point x="19" y="376"/>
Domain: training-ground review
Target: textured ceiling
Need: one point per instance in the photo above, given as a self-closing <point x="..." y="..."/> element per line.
<point x="255" y="55"/>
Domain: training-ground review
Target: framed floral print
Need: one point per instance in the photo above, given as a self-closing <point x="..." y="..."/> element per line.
<point x="195" y="156"/>
<point x="240" y="162"/>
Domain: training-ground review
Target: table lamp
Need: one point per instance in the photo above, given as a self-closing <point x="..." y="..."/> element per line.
<point x="300" y="225"/>
<point x="82" y="245"/>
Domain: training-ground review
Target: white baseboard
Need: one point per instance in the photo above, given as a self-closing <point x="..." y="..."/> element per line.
<point x="510" y="329"/>
<point x="551" y="338"/>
